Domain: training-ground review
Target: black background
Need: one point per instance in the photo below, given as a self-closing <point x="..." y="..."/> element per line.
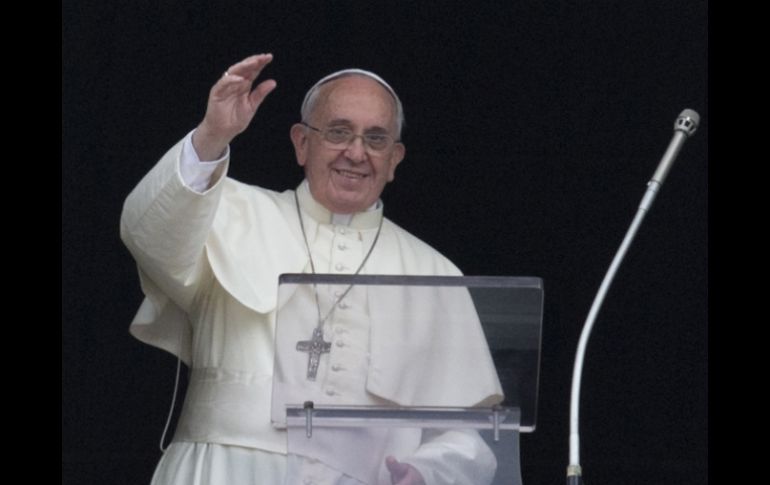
<point x="532" y="129"/>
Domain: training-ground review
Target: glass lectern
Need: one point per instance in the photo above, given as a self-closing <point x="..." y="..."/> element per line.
<point x="440" y="373"/>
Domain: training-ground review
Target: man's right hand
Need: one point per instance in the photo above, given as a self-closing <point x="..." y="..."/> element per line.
<point x="231" y="106"/>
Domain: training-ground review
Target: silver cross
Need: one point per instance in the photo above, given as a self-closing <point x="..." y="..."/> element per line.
<point x="314" y="347"/>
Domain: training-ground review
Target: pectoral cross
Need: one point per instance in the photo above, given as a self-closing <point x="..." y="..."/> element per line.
<point x="314" y="347"/>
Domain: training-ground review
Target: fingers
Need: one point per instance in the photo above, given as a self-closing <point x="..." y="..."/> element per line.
<point x="403" y="473"/>
<point x="232" y="102"/>
<point x="261" y="91"/>
<point x="251" y="67"/>
<point x="397" y="470"/>
<point x="232" y="85"/>
<point x="229" y="85"/>
<point x="238" y="78"/>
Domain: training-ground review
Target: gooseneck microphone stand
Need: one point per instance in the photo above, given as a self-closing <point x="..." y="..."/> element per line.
<point x="684" y="126"/>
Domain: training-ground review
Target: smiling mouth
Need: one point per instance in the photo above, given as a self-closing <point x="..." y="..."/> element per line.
<point x="349" y="174"/>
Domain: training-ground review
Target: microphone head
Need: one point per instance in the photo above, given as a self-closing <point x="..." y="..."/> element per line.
<point x="687" y="122"/>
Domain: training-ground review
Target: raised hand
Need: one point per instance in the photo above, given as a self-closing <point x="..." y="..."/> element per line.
<point x="231" y="106"/>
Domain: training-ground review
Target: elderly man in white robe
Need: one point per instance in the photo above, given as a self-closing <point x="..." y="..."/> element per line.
<point x="210" y="249"/>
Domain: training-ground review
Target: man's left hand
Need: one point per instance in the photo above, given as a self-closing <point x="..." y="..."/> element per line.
<point x="403" y="473"/>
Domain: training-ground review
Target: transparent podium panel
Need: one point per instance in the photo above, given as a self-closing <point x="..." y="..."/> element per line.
<point x="445" y="445"/>
<point x="437" y="373"/>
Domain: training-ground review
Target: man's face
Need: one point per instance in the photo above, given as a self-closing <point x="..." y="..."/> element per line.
<point x="347" y="180"/>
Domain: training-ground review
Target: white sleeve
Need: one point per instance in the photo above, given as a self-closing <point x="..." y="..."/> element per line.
<point x="454" y="457"/>
<point x="199" y="175"/>
<point x="165" y="225"/>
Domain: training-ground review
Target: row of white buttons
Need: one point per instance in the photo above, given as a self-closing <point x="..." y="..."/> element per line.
<point x="336" y="367"/>
<point x="330" y="391"/>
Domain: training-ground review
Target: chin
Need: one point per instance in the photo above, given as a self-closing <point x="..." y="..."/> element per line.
<point x="345" y="201"/>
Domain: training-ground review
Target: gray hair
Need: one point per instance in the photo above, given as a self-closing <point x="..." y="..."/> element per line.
<point x="311" y="98"/>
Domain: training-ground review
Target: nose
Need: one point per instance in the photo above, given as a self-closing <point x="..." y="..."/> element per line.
<point x="356" y="150"/>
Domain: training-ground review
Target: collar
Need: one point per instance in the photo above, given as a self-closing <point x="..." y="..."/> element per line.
<point x="369" y="219"/>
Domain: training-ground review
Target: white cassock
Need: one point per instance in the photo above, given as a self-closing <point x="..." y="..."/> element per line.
<point x="209" y="265"/>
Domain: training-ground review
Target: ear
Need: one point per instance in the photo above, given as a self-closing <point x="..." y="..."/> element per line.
<point x="298" y="134"/>
<point x="399" y="150"/>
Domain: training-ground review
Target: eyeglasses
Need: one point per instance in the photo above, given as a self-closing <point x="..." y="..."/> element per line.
<point x="340" y="137"/>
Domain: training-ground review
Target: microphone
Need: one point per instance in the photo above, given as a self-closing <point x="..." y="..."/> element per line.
<point x="684" y="126"/>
